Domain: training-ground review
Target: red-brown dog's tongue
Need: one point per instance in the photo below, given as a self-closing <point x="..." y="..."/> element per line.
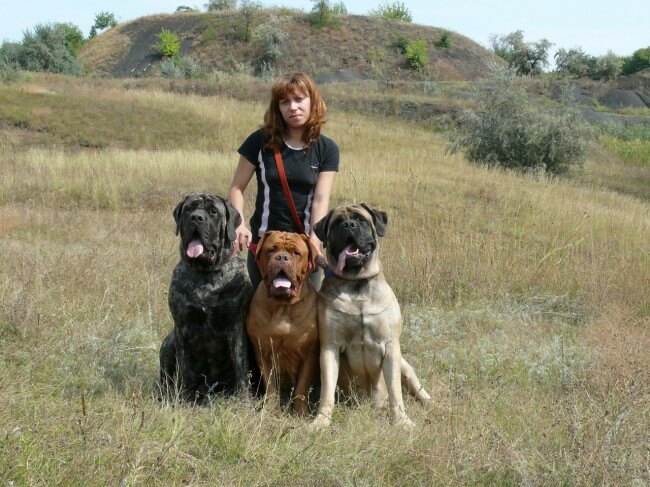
<point x="194" y="248"/>
<point x="341" y="262"/>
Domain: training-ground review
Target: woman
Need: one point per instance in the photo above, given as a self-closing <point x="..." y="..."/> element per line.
<point x="292" y="124"/>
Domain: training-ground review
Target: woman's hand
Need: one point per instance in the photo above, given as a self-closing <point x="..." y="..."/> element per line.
<point x="244" y="237"/>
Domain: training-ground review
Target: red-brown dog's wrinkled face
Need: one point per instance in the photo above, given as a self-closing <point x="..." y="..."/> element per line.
<point x="283" y="260"/>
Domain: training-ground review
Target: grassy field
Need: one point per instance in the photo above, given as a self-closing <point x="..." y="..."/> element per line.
<point x="526" y="305"/>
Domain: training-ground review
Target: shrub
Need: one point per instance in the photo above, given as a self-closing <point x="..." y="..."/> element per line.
<point x="392" y="10"/>
<point x="248" y="9"/>
<point x="513" y="133"/>
<point x="638" y="61"/>
<point x="168" y="43"/>
<point x="8" y="72"/>
<point x="179" y="67"/>
<point x="46" y="49"/>
<point x="444" y="41"/>
<point x="184" y="8"/>
<point x="607" y="66"/>
<point x="268" y="37"/>
<point x="416" y="54"/>
<point x="401" y="42"/>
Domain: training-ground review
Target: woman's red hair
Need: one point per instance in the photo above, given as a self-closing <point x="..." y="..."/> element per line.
<point x="275" y="126"/>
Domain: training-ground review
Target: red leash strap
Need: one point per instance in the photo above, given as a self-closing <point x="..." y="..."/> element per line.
<point x="287" y="191"/>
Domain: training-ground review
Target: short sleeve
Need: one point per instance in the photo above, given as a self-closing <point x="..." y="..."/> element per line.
<point x="330" y="160"/>
<point x="252" y="146"/>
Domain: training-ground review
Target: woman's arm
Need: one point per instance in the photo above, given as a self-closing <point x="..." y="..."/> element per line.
<point x="321" y="202"/>
<point x="240" y="180"/>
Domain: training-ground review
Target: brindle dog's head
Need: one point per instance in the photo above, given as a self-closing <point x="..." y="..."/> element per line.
<point x="206" y="224"/>
<point x="351" y="236"/>
<point x="283" y="259"/>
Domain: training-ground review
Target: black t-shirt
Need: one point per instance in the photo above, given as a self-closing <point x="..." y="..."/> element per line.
<point x="302" y="168"/>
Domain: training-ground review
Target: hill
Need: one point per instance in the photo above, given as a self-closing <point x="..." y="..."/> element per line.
<point x="359" y="48"/>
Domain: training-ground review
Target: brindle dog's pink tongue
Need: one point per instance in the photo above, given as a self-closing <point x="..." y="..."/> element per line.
<point x="194" y="248"/>
<point x="341" y="263"/>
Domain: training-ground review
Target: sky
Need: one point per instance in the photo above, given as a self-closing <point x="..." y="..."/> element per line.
<point x="596" y="26"/>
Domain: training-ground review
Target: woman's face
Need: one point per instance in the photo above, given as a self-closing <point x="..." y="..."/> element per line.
<point x="295" y="109"/>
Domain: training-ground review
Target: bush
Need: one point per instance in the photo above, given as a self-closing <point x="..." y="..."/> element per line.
<point x="45" y="49"/>
<point x="638" y="61"/>
<point x="8" y="72"/>
<point x="513" y="133"/>
<point x="179" y="67"/>
<point x="392" y="10"/>
<point x="416" y="53"/>
<point x="444" y="41"/>
<point x="573" y="63"/>
<point x="607" y="67"/>
<point x="401" y="42"/>
<point x="268" y="37"/>
<point x="168" y="43"/>
<point x="218" y="5"/>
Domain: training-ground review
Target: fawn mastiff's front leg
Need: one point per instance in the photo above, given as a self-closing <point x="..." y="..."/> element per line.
<point x="391" y="366"/>
<point x="329" y="373"/>
<point x="412" y="383"/>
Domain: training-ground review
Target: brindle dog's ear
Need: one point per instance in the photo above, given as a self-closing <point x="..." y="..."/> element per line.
<point x="233" y="220"/>
<point x="322" y="227"/>
<point x="177" y="214"/>
<point x="379" y="219"/>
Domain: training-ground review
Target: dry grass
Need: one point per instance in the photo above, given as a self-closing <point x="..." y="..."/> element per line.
<point x="525" y="303"/>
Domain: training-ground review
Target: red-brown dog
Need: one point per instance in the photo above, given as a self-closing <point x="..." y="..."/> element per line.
<point x="283" y="317"/>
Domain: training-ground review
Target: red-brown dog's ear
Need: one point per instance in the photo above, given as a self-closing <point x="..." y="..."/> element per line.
<point x="313" y="251"/>
<point x="261" y="263"/>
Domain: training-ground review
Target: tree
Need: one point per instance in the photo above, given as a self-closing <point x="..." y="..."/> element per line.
<point x="392" y="10"/>
<point x="216" y="5"/>
<point x="184" y="8"/>
<point x="339" y="8"/>
<point x="321" y="14"/>
<point x="103" y="20"/>
<point x="74" y="38"/>
<point x="638" y="61"/>
<point x="248" y="9"/>
<point x="574" y="62"/>
<point x="526" y="58"/>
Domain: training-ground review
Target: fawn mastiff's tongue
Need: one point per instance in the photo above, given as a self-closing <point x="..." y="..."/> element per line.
<point x="349" y="250"/>
<point x="194" y="248"/>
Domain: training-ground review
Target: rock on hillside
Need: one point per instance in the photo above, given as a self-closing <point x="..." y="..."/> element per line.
<point x="361" y="48"/>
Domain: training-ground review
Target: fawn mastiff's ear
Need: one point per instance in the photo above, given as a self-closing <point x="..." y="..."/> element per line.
<point x="379" y="219"/>
<point x="321" y="228"/>
<point x="261" y="263"/>
<point x="177" y="213"/>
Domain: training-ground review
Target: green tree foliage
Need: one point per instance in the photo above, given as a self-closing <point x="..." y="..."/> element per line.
<point x="639" y="60"/>
<point x="416" y="54"/>
<point x="322" y="15"/>
<point x="103" y="20"/>
<point x="392" y="10"/>
<point x="184" y="8"/>
<point x="248" y="9"/>
<point x="444" y="41"/>
<point x="575" y="63"/>
<point x="168" y="43"/>
<point x="339" y="8"/>
<point x="47" y="48"/>
<point x="510" y="131"/>
<point x="269" y="37"/>
<point x="526" y="58"/>
<point x="74" y="38"/>
<point x="217" y="5"/>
